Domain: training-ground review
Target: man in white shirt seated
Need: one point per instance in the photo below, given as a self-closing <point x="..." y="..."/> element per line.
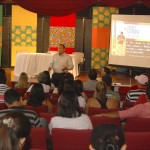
<point x="60" y="64"/>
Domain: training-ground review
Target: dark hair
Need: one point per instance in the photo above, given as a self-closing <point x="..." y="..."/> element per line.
<point x="42" y="78"/>
<point x="78" y="87"/>
<point x="2" y="71"/>
<point x="68" y="105"/>
<point x="48" y="79"/>
<point x="92" y="74"/>
<point x="13" y="126"/>
<point x="107" y="70"/>
<point x="11" y="96"/>
<point x="2" y="78"/>
<point x="107" y="79"/>
<point x="107" y="137"/>
<point x="68" y="75"/>
<point x="37" y="95"/>
<point x="62" y="45"/>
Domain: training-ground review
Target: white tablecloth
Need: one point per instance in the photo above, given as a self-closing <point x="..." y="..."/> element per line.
<point x="34" y="63"/>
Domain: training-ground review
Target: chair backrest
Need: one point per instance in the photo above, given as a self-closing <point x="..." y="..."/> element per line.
<point x="94" y="110"/>
<point x="67" y="139"/>
<point x="21" y="91"/>
<point x="127" y="104"/>
<point x="38" y="138"/>
<point x="40" y="109"/>
<point x="104" y="120"/>
<point x="137" y="125"/>
<point x="47" y="116"/>
<point x="137" y="140"/>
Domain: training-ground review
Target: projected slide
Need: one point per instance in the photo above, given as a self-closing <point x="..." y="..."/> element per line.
<point x="130" y="41"/>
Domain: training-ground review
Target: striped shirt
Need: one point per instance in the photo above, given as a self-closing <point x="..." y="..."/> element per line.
<point x="3" y="89"/>
<point x="32" y="116"/>
<point x="133" y="95"/>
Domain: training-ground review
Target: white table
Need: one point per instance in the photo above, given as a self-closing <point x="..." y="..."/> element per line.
<point x="34" y="63"/>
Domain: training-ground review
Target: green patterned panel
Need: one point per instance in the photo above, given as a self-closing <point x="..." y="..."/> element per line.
<point x="1" y="14"/>
<point x="102" y="16"/>
<point x="24" y="36"/>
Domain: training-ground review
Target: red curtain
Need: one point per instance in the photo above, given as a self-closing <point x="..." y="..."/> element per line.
<point x="125" y="3"/>
<point x="55" y="7"/>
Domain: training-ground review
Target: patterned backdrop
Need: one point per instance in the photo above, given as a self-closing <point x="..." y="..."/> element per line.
<point x="1" y="10"/>
<point x="101" y="20"/>
<point x="23" y="33"/>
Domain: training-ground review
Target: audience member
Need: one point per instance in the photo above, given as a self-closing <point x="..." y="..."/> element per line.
<point x="105" y="71"/>
<point x="91" y="83"/>
<point x="79" y="91"/>
<point x="110" y="94"/>
<point x="69" y="115"/>
<point x="107" y="137"/>
<point x="23" y="81"/>
<point x="42" y="78"/>
<point x="60" y="64"/>
<point x="14" y="130"/>
<point x="12" y="100"/>
<point x="100" y="100"/>
<point x="37" y="97"/>
<point x="142" y="81"/>
<point x="2" y="71"/>
<point x="140" y="110"/>
<point x="3" y="86"/>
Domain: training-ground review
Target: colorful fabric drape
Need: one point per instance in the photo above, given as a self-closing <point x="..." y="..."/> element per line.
<point x="24" y="32"/>
<point x="62" y="30"/>
<point x="101" y="20"/>
<point x="1" y="14"/>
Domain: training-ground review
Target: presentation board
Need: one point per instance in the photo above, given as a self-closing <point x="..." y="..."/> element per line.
<point x="130" y="40"/>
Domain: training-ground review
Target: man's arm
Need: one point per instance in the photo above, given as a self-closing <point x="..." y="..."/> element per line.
<point x="70" y="63"/>
<point x="110" y="114"/>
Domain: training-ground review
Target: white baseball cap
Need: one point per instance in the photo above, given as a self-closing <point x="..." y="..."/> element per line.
<point x="142" y="79"/>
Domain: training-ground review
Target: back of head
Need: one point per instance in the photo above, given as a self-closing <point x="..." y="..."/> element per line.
<point x="101" y="90"/>
<point x="107" y="70"/>
<point x="69" y="76"/>
<point x="23" y="80"/>
<point x="2" y="78"/>
<point x="14" y="129"/>
<point x="78" y="87"/>
<point x="2" y="71"/>
<point x="107" y="137"/>
<point x="42" y="78"/>
<point x="107" y="79"/>
<point x="92" y="74"/>
<point x="68" y="105"/>
<point x="142" y="79"/>
<point x="48" y="80"/>
<point x="11" y="96"/>
<point x="37" y="95"/>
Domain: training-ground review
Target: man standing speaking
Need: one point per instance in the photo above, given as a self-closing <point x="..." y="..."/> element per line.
<point x="60" y="64"/>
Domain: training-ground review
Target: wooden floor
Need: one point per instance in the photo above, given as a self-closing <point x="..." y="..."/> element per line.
<point x="117" y="78"/>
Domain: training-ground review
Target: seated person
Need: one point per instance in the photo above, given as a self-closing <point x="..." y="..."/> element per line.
<point x="91" y="83"/>
<point x="13" y="102"/>
<point x="3" y="86"/>
<point x="105" y="71"/>
<point x="100" y="100"/>
<point x="23" y="81"/>
<point x="69" y="115"/>
<point x="110" y="94"/>
<point x="142" y="81"/>
<point x="37" y="97"/>
<point x="140" y="110"/>
<point x="79" y="91"/>
<point x="107" y="137"/>
<point x="141" y="100"/>
<point x="42" y="78"/>
<point x="14" y="130"/>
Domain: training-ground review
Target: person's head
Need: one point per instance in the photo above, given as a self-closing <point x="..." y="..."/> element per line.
<point x="23" y="80"/>
<point x="92" y="74"/>
<point x="78" y="87"/>
<point x="14" y="129"/>
<point x="11" y="97"/>
<point x="68" y="105"/>
<point x="2" y="71"/>
<point x="2" y="78"/>
<point x="107" y="79"/>
<point x="42" y="78"/>
<point x="68" y="75"/>
<point x="101" y="90"/>
<point x="37" y="95"/>
<point x="47" y="77"/>
<point x="61" y="49"/>
<point x="107" y="137"/>
<point x="121" y="33"/>
<point x="142" y="80"/>
<point x="105" y="71"/>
